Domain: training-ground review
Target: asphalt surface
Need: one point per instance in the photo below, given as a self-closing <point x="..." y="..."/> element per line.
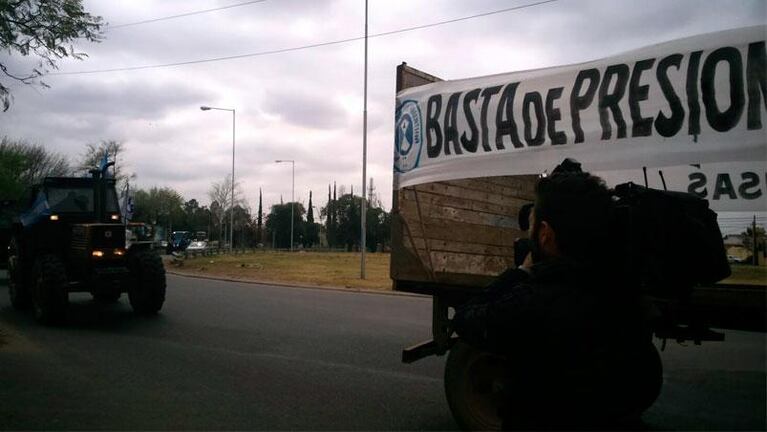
<point x="225" y="355"/>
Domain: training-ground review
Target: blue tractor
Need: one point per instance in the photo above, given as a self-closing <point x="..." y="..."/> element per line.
<point x="72" y="239"/>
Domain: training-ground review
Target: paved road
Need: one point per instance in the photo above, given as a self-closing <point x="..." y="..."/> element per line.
<point x="237" y="356"/>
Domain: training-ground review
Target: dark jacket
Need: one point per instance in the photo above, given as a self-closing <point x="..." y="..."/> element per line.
<point x="570" y="337"/>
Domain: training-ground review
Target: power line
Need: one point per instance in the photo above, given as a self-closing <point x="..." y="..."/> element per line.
<point x="170" y="17"/>
<point x="299" y="48"/>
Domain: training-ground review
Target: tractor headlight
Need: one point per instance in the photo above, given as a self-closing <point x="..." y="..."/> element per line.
<point x="97" y="254"/>
<point x="54" y="217"/>
<point x="119" y="252"/>
<point x="115" y="217"/>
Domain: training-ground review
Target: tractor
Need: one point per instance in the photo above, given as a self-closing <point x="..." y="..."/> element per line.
<point x="72" y="238"/>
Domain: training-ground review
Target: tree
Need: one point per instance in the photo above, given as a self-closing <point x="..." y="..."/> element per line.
<point x="312" y="228"/>
<point x="195" y="218"/>
<point x="23" y="164"/>
<point x="114" y="150"/>
<point x="750" y="236"/>
<point x="221" y="193"/>
<point x="377" y="227"/>
<point x="278" y="224"/>
<point x="345" y="231"/>
<point x="45" y="29"/>
<point x="348" y="226"/>
<point x="161" y="206"/>
<point x="259" y="219"/>
<point x="242" y="225"/>
<point x="215" y="221"/>
<point x="333" y="216"/>
<point x="327" y="213"/>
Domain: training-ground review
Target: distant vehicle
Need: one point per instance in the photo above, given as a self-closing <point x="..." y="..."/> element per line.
<point x="179" y="241"/>
<point x="197" y="246"/>
<point x="734" y="260"/>
<point x="71" y="239"/>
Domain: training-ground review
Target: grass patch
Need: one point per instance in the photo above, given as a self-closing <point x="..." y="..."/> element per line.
<point x="747" y="275"/>
<point x="301" y="268"/>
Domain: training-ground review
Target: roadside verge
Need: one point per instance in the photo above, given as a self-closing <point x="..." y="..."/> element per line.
<point x="176" y="272"/>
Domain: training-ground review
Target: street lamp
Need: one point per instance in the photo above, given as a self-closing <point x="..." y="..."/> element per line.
<point x="363" y="207"/>
<point x="292" y="196"/>
<point x="231" y="212"/>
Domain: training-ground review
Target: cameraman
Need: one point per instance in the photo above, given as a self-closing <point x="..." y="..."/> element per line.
<point x="576" y="347"/>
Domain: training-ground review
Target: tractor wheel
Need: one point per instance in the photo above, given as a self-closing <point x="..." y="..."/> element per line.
<point x="474" y="387"/>
<point x="147" y="290"/>
<point x="49" y="291"/>
<point x="17" y="289"/>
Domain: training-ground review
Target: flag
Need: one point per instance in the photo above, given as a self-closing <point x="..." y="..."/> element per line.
<point x="103" y="165"/>
<point x="127" y="205"/>
<point x="39" y="211"/>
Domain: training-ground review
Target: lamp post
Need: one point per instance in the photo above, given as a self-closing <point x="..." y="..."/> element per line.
<point x="231" y="211"/>
<point x="292" y="195"/>
<point x="363" y="207"/>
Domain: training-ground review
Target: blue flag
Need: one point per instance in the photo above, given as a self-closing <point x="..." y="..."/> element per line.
<point x="40" y="210"/>
<point x="103" y="165"/>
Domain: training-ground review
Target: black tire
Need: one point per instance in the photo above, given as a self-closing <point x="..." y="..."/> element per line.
<point x="18" y="290"/>
<point x="49" y="290"/>
<point x="649" y="379"/>
<point x="147" y="283"/>
<point x="474" y="387"/>
<point x="106" y="297"/>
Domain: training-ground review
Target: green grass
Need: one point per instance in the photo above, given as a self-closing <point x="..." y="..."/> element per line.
<point x="747" y="275"/>
<point x="301" y="268"/>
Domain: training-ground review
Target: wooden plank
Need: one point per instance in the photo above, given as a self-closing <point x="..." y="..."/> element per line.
<point x="441" y="229"/>
<point x="451" y="262"/>
<point x="461" y="203"/>
<point x="460" y="216"/>
<point x="462" y="231"/>
<point x="463" y="247"/>
<point x="408" y="77"/>
<point x="517" y="189"/>
<point x="458" y="190"/>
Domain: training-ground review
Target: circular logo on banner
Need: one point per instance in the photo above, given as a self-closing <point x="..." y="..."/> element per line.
<point x="408" y="137"/>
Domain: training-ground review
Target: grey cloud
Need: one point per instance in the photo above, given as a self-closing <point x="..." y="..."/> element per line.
<point x="147" y="100"/>
<point x="305" y="110"/>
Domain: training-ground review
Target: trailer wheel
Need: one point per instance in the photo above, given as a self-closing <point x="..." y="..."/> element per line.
<point x="650" y="379"/>
<point x="474" y="387"/>
<point x="147" y="290"/>
<point x="49" y="290"/>
<point x="18" y="291"/>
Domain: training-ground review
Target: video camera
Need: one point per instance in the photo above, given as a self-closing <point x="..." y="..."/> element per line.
<point x="665" y="243"/>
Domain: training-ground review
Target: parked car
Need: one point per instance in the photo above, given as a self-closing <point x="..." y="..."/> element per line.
<point x="197" y="246"/>
<point x="734" y="260"/>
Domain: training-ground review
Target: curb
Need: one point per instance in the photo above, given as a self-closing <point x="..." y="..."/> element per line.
<point x="287" y="285"/>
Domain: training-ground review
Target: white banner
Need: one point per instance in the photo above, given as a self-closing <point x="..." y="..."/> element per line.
<point x="695" y="101"/>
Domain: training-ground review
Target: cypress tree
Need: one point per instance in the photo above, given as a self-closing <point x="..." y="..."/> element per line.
<point x="310" y="229"/>
<point x="334" y="222"/>
<point x="259" y="219"/>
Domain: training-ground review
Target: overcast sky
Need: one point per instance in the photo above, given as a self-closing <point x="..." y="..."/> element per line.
<point x="307" y="104"/>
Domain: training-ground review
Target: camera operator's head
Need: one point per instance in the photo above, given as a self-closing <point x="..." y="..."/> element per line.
<point x="570" y="217"/>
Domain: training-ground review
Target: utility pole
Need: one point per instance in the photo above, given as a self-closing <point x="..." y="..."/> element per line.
<point x="364" y="150"/>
